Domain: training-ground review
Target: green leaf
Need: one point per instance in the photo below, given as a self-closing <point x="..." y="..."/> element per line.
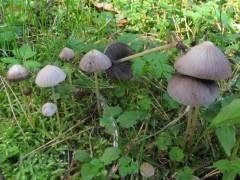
<point x="163" y="141"/>
<point x="127" y="166"/>
<point x="81" y="155"/>
<point x="10" y="60"/>
<point x="176" y="154"/>
<point x="91" y="169"/>
<point x="185" y="173"/>
<point x="227" y="137"/>
<point x="107" y="122"/>
<point x="127" y="37"/>
<point x="138" y="67"/>
<point x="145" y="103"/>
<point x="229" y="114"/>
<point x="129" y="118"/>
<point x="111" y="111"/>
<point x="32" y="64"/>
<point x="110" y="154"/>
<point x="24" y="52"/>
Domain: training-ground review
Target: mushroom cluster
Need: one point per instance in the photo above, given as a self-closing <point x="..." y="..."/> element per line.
<point x="194" y="83"/>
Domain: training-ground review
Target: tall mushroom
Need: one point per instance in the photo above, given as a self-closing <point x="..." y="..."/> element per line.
<point x="51" y="76"/>
<point x="195" y="86"/>
<point x="119" y="71"/>
<point x="93" y="62"/>
<point x="18" y="73"/>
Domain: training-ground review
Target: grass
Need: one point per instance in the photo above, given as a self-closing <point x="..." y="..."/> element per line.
<point x="156" y="136"/>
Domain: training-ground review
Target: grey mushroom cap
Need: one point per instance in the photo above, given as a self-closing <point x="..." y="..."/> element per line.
<point x="192" y="91"/>
<point x="49" y="109"/>
<point x="17" y="72"/>
<point x="50" y="76"/>
<point x="204" y="61"/>
<point x="95" y="61"/>
<point x="66" y="54"/>
<point x="119" y="71"/>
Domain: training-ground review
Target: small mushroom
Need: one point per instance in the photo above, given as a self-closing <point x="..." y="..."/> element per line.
<point x="66" y="54"/>
<point x="119" y="71"/>
<point x="50" y="76"/>
<point x="204" y="61"/>
<point x="49" y="109"/>
<point x="17" y="73"/>
<point x="192" y="91"/>
<point x="147" y="170"/>
<point x="93" y="62"/>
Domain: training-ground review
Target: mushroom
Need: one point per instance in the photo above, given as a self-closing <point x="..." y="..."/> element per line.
<point x="51" y="76"/>
<point x="204" y="61"/>
<point x="147" y="170"/>
<point x="93" y="62"/>
<point x="18" y="73"/>
<point x="119" y="71"/>
<point x="49" y="109"/>
<point x="66" y="54"/>
<point x="194" y="92"/>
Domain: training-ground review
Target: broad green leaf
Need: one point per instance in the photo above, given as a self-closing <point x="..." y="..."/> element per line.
<point x="129" y="118"/>
<point x="112" y="111"/>
<point x="185" y="173"/>
<point x="32" y="64"/>
<point x="176" y="154"/>
<point x="163" y="141"/>
<point x="127" y="166"/>
<point x="10" y="60"/>
<point x="81" y="155"/>
<point x="230" y="114"/>
<point x="138" y="67"/>
<point x="127" y="37"/>
<point x="145" y="103"/>
<point x="110" y="154"/>
<point x="107" y="122"/>
<point x="24" y="52"/>
<point x="91" y="169"/>
<point x="227" y="137"/>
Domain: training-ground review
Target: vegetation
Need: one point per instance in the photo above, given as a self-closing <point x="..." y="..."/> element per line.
<point x="140" y="130"/>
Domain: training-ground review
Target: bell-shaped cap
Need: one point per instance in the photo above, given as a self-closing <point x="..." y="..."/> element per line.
<point x="49" y="109"/>
<point x="192" y="91"/>
<point x="50" y="76"/>
<point x="204" y="61"/>
<point x="119" y="71"/>
<point x="17" y="73"/>
<point x="147" y="170"/>
<point x="95" y="61"/>
<point x="66" y="54"/>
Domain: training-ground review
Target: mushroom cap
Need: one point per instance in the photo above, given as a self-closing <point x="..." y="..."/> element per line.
<point x="204" y="61"/>
<point x="119" y="71"/>
<point x="17" y="72"/>
<point x="49" y="109"/>
<point x="147" y="170"/>
<point x="66" y="54"/>
<point x="95" y="61"/>
<point x="50" y="76"/>
<point x="192" y="91"/>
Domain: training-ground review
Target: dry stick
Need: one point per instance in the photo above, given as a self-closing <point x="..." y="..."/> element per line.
<point x="160" y="48"/>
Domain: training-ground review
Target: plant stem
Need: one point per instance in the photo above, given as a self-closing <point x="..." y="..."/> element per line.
<point x="192" y="123"/>
<point x="235" y="149"/>
<point x="97" y="93"/>
<point x="160" y="48"/>
<point x="57" y="113"/>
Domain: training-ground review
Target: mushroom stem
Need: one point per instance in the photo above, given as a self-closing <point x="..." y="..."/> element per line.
<point x="160" y="48"/>
<point x="191" y="126"/>
<point x="97" y="93"/>
<point x="57" y="113"/>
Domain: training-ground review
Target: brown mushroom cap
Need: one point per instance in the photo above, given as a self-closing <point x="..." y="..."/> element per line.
<point x="66" y="54"/>
<point x="147" y="170"/>
<point x="204" y="61"/>
<point x="95" y="61"/>
<point x="119" y="71"/>
<point x="17" y="72"/>
<point x="192" y="91"/>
